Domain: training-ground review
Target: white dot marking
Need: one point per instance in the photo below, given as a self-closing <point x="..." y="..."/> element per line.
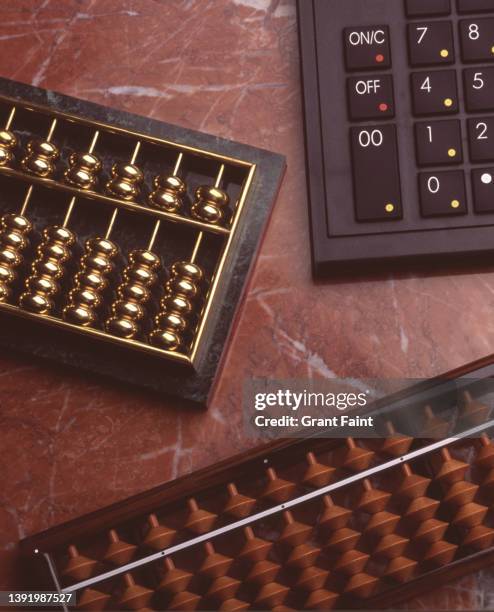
<point x="487" y="178"/>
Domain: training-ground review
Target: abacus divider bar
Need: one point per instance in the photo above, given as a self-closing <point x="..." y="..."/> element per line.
<point x="196" y="247"/>
<point x="10" y="118"/>
<point x="52" y="129"/>
<point x="27" y="197"/>
<point x="54" y="577"/>
<point x="470" y="433"/>
<point x="69" y="211"/>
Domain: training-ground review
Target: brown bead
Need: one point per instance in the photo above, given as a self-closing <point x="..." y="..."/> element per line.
<point x="430" y="530"/>
<point x="473" y="411"/>
<point x="382" y="523"/>
<point x="199" y="521"/>
<point x="263" y="572"/>
<point x="271" y="595"/>
<point x="372" y="500"/>
<point x="433" y="426"/>
<point x="303" y="555"/>
<point x="355" y="458"/>
<point x="390" y="546"/>
<point x="401" y="569"/>
<point x="479" y="537"/>
<point x="460" y="493"/>
<point x="343" y="539"/>
<point x="412" y="485"/>
<point x="317" y="474"/>
<point x="174" y="580"/>
<point x="254" y="549"/>
<point x="312" y="579"/>
<point x="277" y="489"/>
<point x="421" y="509"/>
<point x="351" y="562"/>
<point x="294" y="532"/>
<point x="158" y="536"/>
<point x="485" y="455"/>
<point x="397" y="444"/>
<point x="223" y="588"/>
<point x="238" y="505"/>
<point x="78" y="567"/>
<point x="333" y="516"/>
<point x="184" y="601"/>
<point x="361" y="585"/>
<point x="91" y="599"/>
<point x="215" y="564"/>
<point x="118" y="552"/>
<point x="233" y="605"/>
<point x="469" y="515"/>
<point x="134" y="596"/>
<point x="321" y="600"/>
<point x="440" y="553"/>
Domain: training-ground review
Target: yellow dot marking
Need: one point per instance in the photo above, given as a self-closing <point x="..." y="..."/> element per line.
<point x="444" y="53"/>
<point x="452" y="152"/>
<point x="389" y="208"/>
<point x="455" y="204"/>
<point x="492" y="50"/>
<point x="448" y="102"/>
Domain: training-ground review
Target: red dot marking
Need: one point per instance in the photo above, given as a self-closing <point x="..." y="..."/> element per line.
<point x="379" y="58"/>
<point x="383" y="107"/>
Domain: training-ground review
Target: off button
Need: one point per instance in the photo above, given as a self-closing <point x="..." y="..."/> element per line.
<point x="367" y="48"/>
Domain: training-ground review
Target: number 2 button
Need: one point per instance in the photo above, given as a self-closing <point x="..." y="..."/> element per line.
<point x="431" y="43"/>
<point x="481" y="139"/>
<point x="442" y="193"/>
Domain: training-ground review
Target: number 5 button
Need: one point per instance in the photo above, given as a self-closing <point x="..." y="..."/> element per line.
<point x="435" y="92"/>
<point x="481" y="139"/>
<point x="431" y="43"/>
<point x="442" y="193"/>
<point x="479" y="88"/>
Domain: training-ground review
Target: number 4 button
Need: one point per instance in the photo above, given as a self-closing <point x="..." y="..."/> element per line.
<point x="442" y="193"/>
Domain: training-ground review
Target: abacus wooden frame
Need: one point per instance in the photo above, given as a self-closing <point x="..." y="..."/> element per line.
<point x="37" y="548"/>
<point x="251" y="210"/>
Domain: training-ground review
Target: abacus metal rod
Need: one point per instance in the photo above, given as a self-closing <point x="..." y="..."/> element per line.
<point x="425" y="450"/>
<point x="51" y="130"/>
<point x="220" y="176"/>
<point x="177" y="164"/>
<point x="93" y="142"/>
<point x="196" y="247"/>
<point x="27" y="197"/>
<point x="69" y="211"/>
<point x="115" y="211"/>
<point x="10" y="118"/>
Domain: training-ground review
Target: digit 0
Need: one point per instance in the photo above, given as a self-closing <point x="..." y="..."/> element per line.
<point x="367" y="138"/>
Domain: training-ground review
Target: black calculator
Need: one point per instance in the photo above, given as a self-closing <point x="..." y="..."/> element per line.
<point x="399" y="116"/>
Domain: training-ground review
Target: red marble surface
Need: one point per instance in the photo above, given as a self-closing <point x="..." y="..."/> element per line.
<point x="71" y="443"/>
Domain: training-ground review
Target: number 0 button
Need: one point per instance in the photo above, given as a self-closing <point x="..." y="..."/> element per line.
<point x="481" y="139"/>
<point x="442" y="193"/>
<point x="435" y="93"/>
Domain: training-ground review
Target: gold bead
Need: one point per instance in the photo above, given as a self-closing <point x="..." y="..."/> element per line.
<point x="91" y="280"/>
<point x="182" y="286"/>
<point x="48" y="267"/>
<point x="40" y="159"/>
<point x="134" y="291"/>
<point x="178" y="304"/>
<point x="144" y="258"/>
<point x="125" y="181"/>
<point x="42" y="284"/>
<point x="57" y="233"/>
<point x="14" y="239"/>
<point x="141" y="275"/>
<point x="125" y="309"/>
<point x="10" y="257"/>
<point x="81" y="314"/>
<point x="124" y="328"/>
<point x="99" y="263"/>
<point x="188" y="270"/>
<point x="171" y="321"/>
<point x="85" y="296"/>
<point x="5" y="292"/>
<point x="54" y="250"/>
<point x="209" y="205"/>
<point x="36" y="302"/>
<point x="16" y="222"/>
<point x="168" y="193"/>
<point x="102" y="246"/>
<point x="83" y="170"/>
<point x="7" y="274"/>
<point x="8" y="142"/>
<point x="165" y="339"/>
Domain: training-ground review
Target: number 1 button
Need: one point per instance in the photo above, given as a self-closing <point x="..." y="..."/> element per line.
<point x="376" y="175"/>
<point x="442" y="193"/>
<point x="438" y="142"/>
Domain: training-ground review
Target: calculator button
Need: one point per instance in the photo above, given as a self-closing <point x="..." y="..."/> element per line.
<point x="438" y="142"/>
<point x="367" y="48"/>
<point x="376" y="174"/>
<point x="435" y="93"/>
<point x="481" y="139"/>
<point x="371" y="97"/>
<point x="475" y="6"/>
<point x="431" y="43"/>
<point x="483" y="190"/>
<point x="425" y="8"/>
<point x="477" y="40"/>
<point x="479" y="89"/>
<point x="442" y="193"/>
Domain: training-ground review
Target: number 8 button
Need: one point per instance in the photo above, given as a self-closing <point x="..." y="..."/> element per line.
<point x="477" y="40"/>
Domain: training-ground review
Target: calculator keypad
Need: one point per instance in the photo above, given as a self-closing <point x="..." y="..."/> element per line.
<point x="435" y="93"/>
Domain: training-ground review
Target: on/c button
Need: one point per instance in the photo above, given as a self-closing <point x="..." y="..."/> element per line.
<point x="367" y="48"/>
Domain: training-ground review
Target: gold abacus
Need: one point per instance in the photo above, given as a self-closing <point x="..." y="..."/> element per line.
<point x="41" y="155"/>
<point x="169" y="190"/>
<point x="210" y="202"/>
